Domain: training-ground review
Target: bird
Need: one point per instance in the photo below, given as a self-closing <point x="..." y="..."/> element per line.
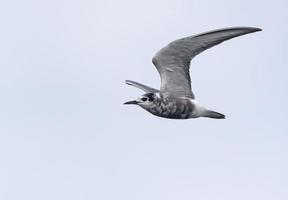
<point x="175" y="99"/>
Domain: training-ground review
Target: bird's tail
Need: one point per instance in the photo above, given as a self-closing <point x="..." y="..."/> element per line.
<point x="214" y="115"/>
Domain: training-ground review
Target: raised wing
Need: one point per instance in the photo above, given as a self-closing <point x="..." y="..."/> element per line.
<point x="173" y="61"/>
<point x="145" y="88"/>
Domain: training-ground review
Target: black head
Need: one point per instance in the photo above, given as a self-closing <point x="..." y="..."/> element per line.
<point x="144" y="100"/>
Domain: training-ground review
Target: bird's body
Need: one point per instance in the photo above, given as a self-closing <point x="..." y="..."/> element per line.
<point x="175" y="99"/>
<point x="171" y="107"/>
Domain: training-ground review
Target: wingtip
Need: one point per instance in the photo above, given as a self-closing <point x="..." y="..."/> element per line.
<point x="128" y="82"/>
<point x="249" y="29"/>
<point x="259" y="29"/>
<point x="255" y="29"/>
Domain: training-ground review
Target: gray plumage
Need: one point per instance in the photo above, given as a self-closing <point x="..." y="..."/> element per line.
<point x="175" y="98"/>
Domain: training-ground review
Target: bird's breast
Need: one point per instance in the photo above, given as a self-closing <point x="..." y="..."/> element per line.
<point x="174" y="108"/>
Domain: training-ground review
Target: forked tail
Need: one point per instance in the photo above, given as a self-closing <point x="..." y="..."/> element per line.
<point x="214" y="115"/>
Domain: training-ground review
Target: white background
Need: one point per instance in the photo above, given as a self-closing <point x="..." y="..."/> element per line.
<point x="64" y="133"/>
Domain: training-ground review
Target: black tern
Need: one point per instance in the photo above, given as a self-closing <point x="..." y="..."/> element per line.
<point x="175" y="99"/>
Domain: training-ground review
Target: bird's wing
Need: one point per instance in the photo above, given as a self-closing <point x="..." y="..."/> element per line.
<point x="173" y="61"/>
<point x="145" y="88"/>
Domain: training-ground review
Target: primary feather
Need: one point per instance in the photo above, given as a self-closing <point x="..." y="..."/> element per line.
<point x="173" y="61"/>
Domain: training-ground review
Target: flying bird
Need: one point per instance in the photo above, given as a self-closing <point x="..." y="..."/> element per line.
<point x="175" y="99"/>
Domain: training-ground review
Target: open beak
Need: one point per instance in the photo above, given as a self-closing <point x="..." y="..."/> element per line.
<point x="131" y="102"/>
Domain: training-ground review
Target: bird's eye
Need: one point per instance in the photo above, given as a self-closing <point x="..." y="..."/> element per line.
<point x="144" y="98"/>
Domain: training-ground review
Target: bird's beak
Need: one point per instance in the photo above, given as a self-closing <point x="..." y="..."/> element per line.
<point x="131" y="102"/>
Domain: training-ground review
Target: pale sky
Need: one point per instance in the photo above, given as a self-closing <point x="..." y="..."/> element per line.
<point x="64" y="133"/>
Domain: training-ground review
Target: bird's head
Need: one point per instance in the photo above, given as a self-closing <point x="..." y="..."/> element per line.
<point x="146" y="101"/>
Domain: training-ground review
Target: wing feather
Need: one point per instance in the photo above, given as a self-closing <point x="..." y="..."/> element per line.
<point x="173" y="61"/>
<point x="145" y="88"/>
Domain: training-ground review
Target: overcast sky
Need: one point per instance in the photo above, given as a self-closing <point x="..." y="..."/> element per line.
<point x="64" y="133"/>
